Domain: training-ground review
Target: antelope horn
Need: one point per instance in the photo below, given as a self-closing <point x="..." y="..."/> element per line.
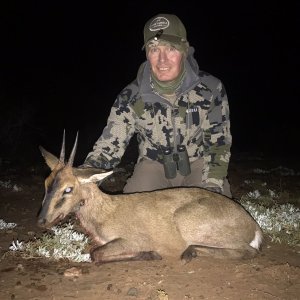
<point x="62" y="151"/>
<point x="71" y="159"/>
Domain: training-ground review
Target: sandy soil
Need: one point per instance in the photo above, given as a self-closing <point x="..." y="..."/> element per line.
<point x="274" y="274"/>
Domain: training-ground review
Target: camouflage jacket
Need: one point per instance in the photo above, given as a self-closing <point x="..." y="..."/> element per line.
<point x="198" y="119"/>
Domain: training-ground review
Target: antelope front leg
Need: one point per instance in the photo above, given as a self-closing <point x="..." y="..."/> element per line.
<point x="119" y="250"/>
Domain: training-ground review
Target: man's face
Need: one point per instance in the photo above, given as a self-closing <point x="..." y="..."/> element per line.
<point x="165" y="61"/>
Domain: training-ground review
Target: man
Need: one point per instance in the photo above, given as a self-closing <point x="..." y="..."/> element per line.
<point x="180" y="115"/>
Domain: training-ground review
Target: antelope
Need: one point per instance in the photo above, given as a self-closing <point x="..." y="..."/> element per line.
<point x="182" y="222"/>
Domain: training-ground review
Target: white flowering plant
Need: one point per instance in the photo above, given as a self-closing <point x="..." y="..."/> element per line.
<point x="281" y="222"/>
<point x="64" y="243"/>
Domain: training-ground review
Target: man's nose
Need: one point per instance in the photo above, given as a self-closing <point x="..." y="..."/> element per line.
<point x="162" y="56"/>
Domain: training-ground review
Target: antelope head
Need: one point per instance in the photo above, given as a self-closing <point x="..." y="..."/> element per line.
<point x="63" y="192"/>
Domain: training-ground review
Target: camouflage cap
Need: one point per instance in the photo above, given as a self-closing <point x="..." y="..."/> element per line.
<point x="165" y="27"/>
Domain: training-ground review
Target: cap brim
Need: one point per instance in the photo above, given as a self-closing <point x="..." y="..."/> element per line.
<point x="172" y="39"/>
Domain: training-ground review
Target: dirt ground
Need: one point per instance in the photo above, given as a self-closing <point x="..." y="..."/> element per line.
<point x="273" y="274"/>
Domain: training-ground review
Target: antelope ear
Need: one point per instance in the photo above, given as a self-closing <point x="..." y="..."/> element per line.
<point x="51" y="160"/>
<point x="90" y="174"/>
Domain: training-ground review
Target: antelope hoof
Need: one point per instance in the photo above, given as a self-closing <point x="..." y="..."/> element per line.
<point x="147" y="255"/>
<point x="97" y="256"/>
<point x="188" y="255"/>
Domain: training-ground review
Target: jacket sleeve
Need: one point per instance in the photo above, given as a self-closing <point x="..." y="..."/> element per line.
<point x="217" y="139"/>
<point x="111" y="145"/>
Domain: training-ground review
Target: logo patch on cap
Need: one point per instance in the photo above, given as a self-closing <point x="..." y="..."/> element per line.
<point x="159" y="23"/>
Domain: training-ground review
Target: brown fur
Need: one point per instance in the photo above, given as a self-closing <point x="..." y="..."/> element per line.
<point x="182" y="222"/>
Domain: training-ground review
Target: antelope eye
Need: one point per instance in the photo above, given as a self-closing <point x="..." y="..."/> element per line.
<point x="68" y="190"/>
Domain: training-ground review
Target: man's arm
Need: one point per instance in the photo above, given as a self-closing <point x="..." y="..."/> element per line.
<point x="111" y="145"/>
<point x="217" y="140"/>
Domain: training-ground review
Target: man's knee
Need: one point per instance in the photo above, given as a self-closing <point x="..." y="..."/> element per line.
<point x="226" y="188"/>
<point x="147" y="176"/>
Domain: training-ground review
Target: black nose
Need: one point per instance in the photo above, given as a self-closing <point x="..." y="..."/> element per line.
<point x="41" y="222"/>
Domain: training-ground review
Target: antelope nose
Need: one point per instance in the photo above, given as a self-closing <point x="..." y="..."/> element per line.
<point x="41" y="222"/>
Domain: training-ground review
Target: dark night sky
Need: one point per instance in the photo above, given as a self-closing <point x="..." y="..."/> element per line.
<point x="64" y="62"/>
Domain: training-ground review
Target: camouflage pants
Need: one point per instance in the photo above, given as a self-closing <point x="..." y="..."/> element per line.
<point x="149" y="175"/>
